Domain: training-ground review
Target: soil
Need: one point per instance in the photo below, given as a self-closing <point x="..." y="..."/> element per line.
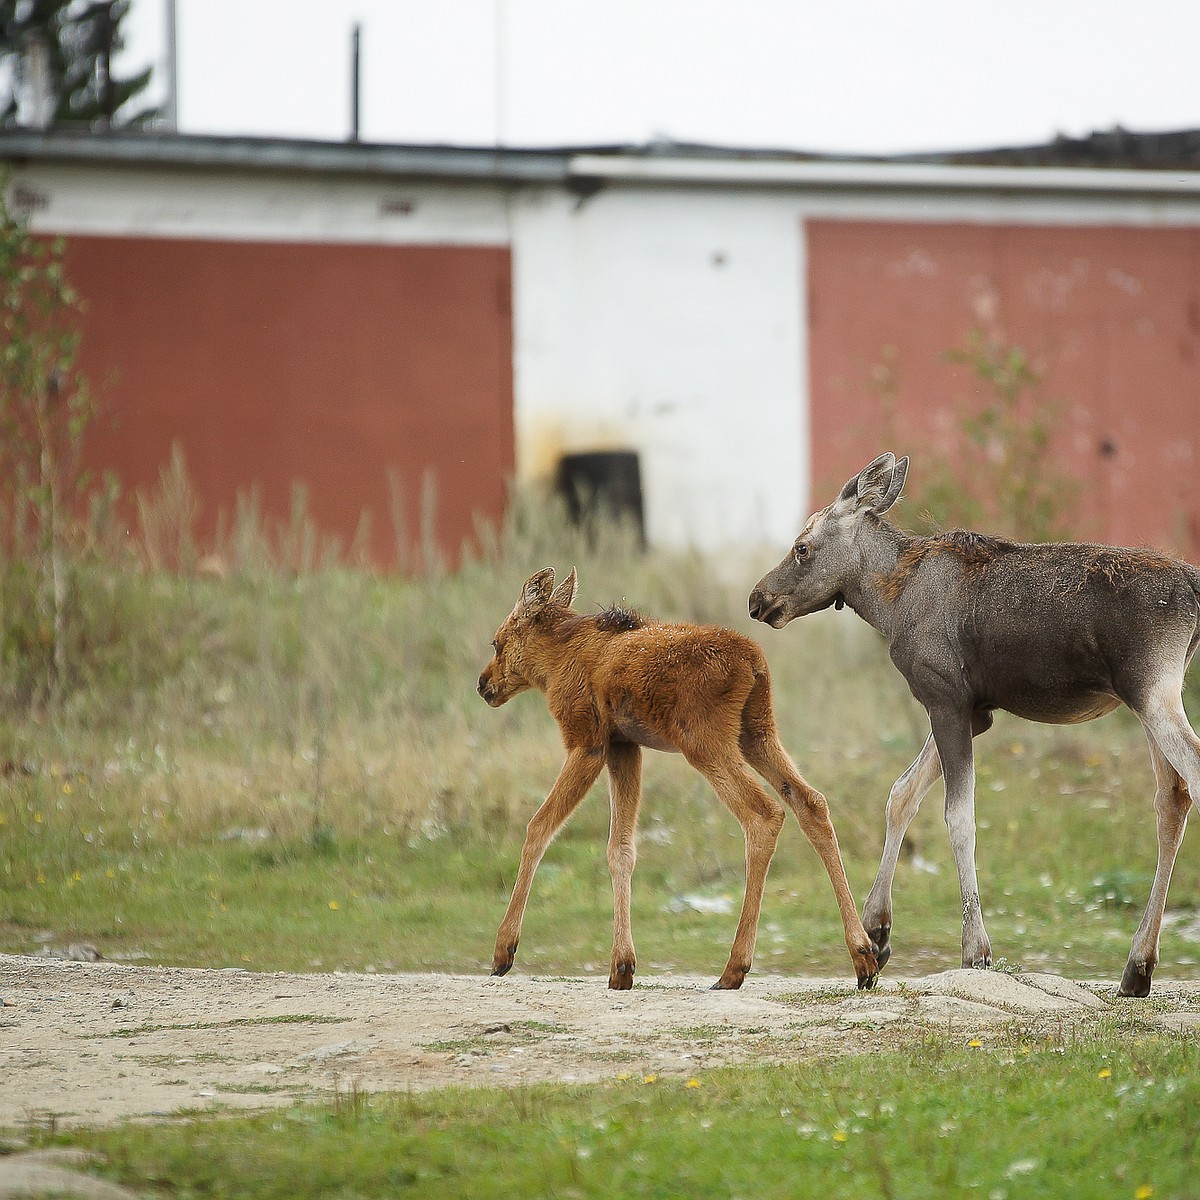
<point x="97" y="1042"/>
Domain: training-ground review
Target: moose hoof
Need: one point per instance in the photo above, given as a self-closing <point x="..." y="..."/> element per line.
<point x="978" y="962"/>
<point x="729" y="982"/>
<point x="620" y="978"/>
<point x="502" y="961"/>
<point x="1136" y="980"/>
<point x="881" y="943"/>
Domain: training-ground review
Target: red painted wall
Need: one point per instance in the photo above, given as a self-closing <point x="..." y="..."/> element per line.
<point x="325" y="364"/>
<point x="1111" y="315"/>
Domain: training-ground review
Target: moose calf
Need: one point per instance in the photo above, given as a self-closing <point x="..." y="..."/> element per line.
<point x="1061" y="633"/>
<point x="615" y="683"/>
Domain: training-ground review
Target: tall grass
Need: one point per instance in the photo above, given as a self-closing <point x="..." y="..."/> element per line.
<point x="269" y="755"/>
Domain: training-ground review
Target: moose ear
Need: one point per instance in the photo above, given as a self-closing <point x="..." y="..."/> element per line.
<point x="877" y="486"/>
<point x="564" y="594"/>
<point x="537" y="589"/>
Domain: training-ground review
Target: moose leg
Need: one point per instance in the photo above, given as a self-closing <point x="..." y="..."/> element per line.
<point x="625" y="794"/>
<point x="768" y="757"/>
<point x="1175" y="753"/>
<point x="903" y="802"/>
<point x="761" y="818"/>
<point x="578" y="773"/>
<point x="952" y="735"/>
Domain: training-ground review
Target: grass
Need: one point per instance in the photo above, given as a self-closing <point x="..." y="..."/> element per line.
<point x="215" y="860"/>
<point x="1012" y="1118"/>
<point x="289" y="770"/>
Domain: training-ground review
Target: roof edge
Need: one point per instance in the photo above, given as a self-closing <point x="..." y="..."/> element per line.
<point x="862" y="175"/>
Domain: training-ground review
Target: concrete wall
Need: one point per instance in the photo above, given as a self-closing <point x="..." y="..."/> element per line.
<point x="289" y="331"/>
<point x="670" y="323"/>
<point x="668" y="316"/>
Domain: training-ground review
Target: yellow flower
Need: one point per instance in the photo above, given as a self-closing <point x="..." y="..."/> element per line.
<point x="110" y="874"/>
<point x="37" y="818"/>
<point x="1105" y="1073"/>
<point x="624" y="1075"/>
<point x="67" y="789"/>
<point x="650" y="1079"/>
<point x="334" y="905"/>
<point x="840" y="1135"/>
<point x="692" y="1083"/>
<point x="1144" y="1192"/>
<point x="974" y="1043"/>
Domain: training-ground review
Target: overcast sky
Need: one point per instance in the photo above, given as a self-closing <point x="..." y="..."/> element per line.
<point x="838" y="75"/>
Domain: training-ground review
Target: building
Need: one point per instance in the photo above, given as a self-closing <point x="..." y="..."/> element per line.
<point x="350" y="316"/>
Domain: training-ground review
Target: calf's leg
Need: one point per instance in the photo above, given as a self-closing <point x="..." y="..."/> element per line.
<point x="768" y="757"/>
<point x="761" y="819"/>
<point x="625" y="795"/>
<point x="579" y="772"/>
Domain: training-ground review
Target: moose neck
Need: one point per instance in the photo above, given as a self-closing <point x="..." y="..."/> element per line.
<point x="879" y="545"/>
<point x="550" y="648"/>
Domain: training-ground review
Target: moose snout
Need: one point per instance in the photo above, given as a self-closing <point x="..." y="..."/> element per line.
<point x="762" y="604"/>
<point x="485" y="688"/>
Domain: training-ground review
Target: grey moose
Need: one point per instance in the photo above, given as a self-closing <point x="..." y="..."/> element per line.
<point x="1060" y="633"/>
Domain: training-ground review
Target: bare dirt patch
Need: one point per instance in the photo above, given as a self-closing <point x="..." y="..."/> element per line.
<point x="92" y="1043"/>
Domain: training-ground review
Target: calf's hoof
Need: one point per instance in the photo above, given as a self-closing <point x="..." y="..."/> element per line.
<point x="866" y="967"/>
<point x="502" y="960"/>
<point x="620" y="978"/>
<point x="1136" y="979"/>
<point x="730" y="981"/>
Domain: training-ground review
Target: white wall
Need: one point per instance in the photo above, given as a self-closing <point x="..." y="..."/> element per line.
<point x="669" y="322"/>
<point x="237" y="206"/>
<point x="667" y="317"/>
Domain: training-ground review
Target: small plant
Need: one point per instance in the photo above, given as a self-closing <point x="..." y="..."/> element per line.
<point x="45" y="409"/>
<point x="1001" y="474"/>
<point x="1004" y="477"/>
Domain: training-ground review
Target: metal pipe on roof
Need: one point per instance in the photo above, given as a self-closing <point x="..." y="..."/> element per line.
<point x="355" y="78"/>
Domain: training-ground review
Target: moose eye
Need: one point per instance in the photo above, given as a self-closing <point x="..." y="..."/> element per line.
<point x="801" y="550"/>
<point x="496" y="645"/>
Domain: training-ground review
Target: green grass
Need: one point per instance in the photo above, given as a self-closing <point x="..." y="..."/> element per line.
<point x="1009" y="1119"/>
<point x="144" y="866"/>
<point x="285" y="771"/>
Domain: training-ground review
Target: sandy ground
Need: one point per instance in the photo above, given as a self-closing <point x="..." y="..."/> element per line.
<point x="98" y="1042"/>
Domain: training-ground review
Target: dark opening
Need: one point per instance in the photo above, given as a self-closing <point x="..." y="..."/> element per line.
<point x="603" y="484"/>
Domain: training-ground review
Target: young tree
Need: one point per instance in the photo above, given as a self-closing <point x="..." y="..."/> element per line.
<point x="45" y="408"/>
<point x="80" y="38"/>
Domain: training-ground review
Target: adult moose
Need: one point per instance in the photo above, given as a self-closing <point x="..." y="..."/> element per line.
<point x="1058" y="633"/>
<point x="616" y="682"/>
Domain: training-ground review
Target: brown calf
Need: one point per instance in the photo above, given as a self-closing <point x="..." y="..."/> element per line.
<point x="615" y="683"/>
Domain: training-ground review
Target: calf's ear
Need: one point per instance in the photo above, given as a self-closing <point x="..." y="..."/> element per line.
<point x="537" y="589"/>
<point x="564" y="594"/>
